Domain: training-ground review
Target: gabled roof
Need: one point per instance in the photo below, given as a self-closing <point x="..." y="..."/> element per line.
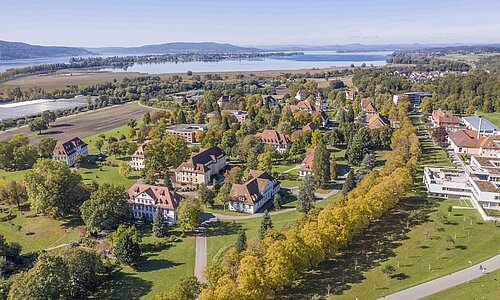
<point x="199" y="162"/>
<point x="307" y="163"/>
<point x="445" y="116"/>
<point x="271" y="136"/>
<point x="69" y="147"/>
<point x="311" y="126"/>
<point x="251" y="191"/>
<point x="377" y="121"/>
<point x="367" y="105"/>
<point x="162" y="195"/>
<point x="139" y="153"/>
<point x="465" y="138"/>
<point x="302" y="105"/>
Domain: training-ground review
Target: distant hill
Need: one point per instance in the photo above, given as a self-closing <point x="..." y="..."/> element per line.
<point x="17" y="50"/>
<point x="358" y="47"/>
<point x="176" y="47"/>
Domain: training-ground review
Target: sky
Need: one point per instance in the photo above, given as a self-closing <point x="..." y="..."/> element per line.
<point x="97" y="23"/>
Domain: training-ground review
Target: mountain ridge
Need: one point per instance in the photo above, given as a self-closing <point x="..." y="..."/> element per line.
<point x="20" y="50"/>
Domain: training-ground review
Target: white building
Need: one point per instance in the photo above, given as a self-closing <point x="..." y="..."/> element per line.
<point x="68" y="151"/>
<point x="254" y="194"/>
<point x="145" y="200"/>
<point x="415" y="98"/>
<point x="482" y="125"/>
<point x="137" y="162"/>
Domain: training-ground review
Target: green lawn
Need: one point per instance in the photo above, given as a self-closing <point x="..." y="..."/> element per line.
<point x="282" y="168"/>
<point x="16" y="175"/>
<point x="116" y="132"/>
<point x="223" y="234"/>
<point x="158" y="271"/>
<point x="492" y="117"/>
<point x="483" y="288"/>
<point x="107" y="174"/>
<point x="431" y="155"/>
<point x="37" y="233"/>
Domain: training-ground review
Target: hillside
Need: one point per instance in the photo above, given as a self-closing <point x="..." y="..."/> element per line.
<point x="175" y="47"/>
<point x="17" y="50"/>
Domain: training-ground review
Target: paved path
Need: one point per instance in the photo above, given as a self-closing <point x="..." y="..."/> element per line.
<point x="200" y="263"/>
<point x="447" y="281"/>
<point x="201" y="253"/>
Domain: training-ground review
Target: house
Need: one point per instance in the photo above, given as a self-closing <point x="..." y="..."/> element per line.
<point x="351" y="95"/>
<point x="271" y="137"/>
<point x="311" y="126"/>
<point x="307" y="164"/>
<point x="377" y="121"/>
<point x="415" y="98"/>
<point x="307" y="107"/>
<point x="302" y="106"/>
<point x="137" y="162"/>
<point x="223" y="101"/>
<point x="201" y="167"/>
<point x="479" y="183"/>
<point x="68" y="151"/>
<point x="302" y="95"/>
<point x="368" y="107"/>
<point x="145" y="200"/>
<point x="269" y="100"/>
<point x="318" y="101"/>
<point x="254" y="194"/>
<point x="470" y="142"/>
<point x="446" y="119"/>
<point x="187" y="131"/>
<point x="482" y="125"/>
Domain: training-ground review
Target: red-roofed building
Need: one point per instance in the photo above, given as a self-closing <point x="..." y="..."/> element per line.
<point x="311" y="126"/>
<point x="252" y="195"/>
<point x="201" y="167"/>
<point x="137" y="162"/>
<point x="377" y="121"/>
<point x="307" y="164"/>
<point x="145" y="199"/>
<point x="445" y="118"/>
<point x="271" y="137"/>
<point x="469" y="142"/>
<point x="368" y="107"/>
<point x="68" y="151"/>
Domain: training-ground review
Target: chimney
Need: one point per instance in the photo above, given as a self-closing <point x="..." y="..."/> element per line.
<point x="479" y="129"/>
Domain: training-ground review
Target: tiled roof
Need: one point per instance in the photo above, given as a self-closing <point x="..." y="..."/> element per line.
<point x="199" y="161"/>
<point x="466" y="138"/>
<point x="377" y="121"/>
<point x="302" y="105"/>
<point x="311" y="126"/>
<point x="139" y="153"/>
<point x="307" y="163"/>
<point x="163" y="196"/>
<point x="69" y="147"/>
<point x="270" y="136"/>
<point x="251" y="191"/>
<point x="367" y="105"/>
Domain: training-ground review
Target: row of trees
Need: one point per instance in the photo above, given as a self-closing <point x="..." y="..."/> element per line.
<point x="17" y="153"/>
<point x="266" y="267"/>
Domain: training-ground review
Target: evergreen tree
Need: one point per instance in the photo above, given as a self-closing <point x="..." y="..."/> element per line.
<point x="181" y="117"/>
<point x="366" y="167"/>
<point x="333" y="167"/>
<point x="160" y="226"/>
<point x="321" y="165"/>
<point x="349" y="183"/>
<point x="277" y="201"/>
<point x="350" y="115"/>
<point x="241" y="241"/>
<point x="265" y="224"/>
<point x="360" y="146"/>
<point x="306" y="198"/>
<point x="127" y="250"/>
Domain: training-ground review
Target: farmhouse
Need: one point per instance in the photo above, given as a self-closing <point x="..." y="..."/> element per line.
<point x="68" y="151"/>
<point x="145" y="200"/>
<point x="275" y="139"/>
<point x="252" y="195"/>
<point x="187" y="131"/>
<point x="201" y="167"/>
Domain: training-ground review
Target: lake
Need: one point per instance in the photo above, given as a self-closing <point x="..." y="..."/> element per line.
<point x="310" y="60"/>
<point x="34" y="107"/>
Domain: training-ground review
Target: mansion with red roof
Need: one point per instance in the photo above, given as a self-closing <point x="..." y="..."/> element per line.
<point x="68" y="151"/>
<point x="254" y="194"/>
<point x="201" y="167"/>
<point x="145" y="199"/>
<point x="307" y="164"/>
<point x="279" y="141"/>
<point x="469" y="142"/>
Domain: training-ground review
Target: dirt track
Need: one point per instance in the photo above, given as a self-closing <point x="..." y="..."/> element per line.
<point x="84" y="124"/>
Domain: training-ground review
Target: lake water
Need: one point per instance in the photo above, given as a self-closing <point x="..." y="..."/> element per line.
<point x="34" y="107"/>
<point x="310" y="59"/>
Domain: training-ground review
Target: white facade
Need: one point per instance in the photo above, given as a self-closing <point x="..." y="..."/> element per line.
<point x="267" y="195"/>
<point x="143" y="206"/>
<point x="70" y="159"/>
<point x="137" y="163"/>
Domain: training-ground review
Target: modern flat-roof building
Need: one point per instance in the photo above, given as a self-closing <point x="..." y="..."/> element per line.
<point x="482" y="125"/>
<point x="146" y="199"/>
<point x="187" y="131"/>
<point x="254" y="194"/>
<point x="415" y="98"/>
<point x="68" y="151"/>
